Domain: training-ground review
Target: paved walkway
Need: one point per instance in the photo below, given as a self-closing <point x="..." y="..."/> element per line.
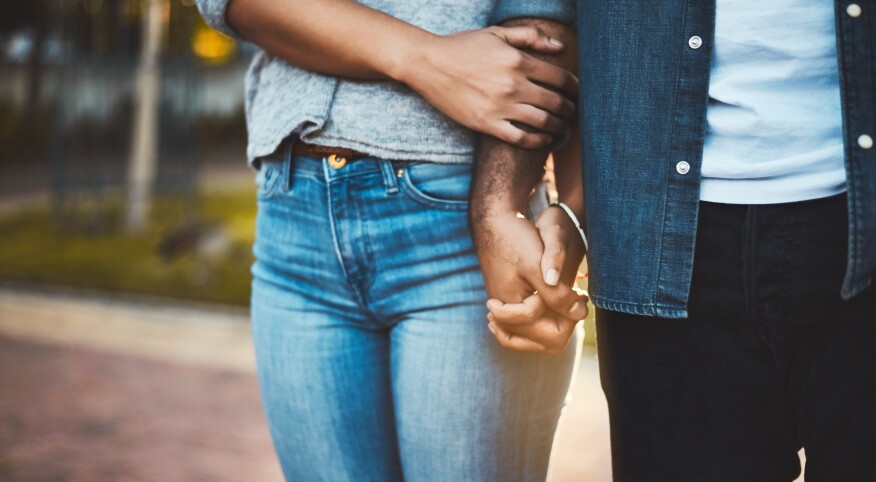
<point x="100" y="391"/>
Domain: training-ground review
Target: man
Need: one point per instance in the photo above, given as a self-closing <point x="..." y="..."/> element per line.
<point x="729" y="181"/>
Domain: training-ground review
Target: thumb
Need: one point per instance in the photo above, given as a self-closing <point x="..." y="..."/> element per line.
<point x="554" y="257"/>
<point x="529" y="37"/>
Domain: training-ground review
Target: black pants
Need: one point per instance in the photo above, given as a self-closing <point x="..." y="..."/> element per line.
<point x="770" y="359"/>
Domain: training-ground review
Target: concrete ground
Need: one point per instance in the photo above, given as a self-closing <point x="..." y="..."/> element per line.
<point x="98" y="391"/>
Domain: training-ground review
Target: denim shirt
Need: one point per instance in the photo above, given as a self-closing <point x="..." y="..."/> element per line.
<point x="644" y="80"/>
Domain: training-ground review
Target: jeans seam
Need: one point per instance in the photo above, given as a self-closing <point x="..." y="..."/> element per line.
<point x="335" y="241"/>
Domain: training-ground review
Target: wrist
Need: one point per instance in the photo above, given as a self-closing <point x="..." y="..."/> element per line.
<point x="413" y="58"/>
<point x="498" y="206"/>
<point x="570" y="217"/>
<point x="484" y="210"/>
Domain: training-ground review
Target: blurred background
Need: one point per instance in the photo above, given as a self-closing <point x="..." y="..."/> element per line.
<point x="122" y="166"/>
<point x="126" y="223"/>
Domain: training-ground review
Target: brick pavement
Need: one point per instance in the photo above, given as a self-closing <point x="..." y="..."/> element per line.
<point x="74" y="414"/>
<point x="94" y="390"/>
<point x="97" y="391"/>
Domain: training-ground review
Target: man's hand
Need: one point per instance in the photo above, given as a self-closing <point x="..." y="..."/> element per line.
<point x="515" y="265"/>
<point x="531" y="325"/>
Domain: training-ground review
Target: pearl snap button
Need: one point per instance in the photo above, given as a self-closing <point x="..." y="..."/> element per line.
<point x="682" y="167"/>
<point x="865" y="141"/>
<point x="854" y="10"/>
<point x="695" y="42"/>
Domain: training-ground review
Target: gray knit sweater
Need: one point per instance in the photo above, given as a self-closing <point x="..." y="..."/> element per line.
<point x="384" y="119"/>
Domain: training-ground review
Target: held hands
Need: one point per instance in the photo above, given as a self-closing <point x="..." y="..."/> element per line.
<point x="519" y="259"/>
<point x="485" y="81"/>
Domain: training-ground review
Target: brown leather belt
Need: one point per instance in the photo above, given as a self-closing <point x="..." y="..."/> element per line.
<point x="337" y="157"/>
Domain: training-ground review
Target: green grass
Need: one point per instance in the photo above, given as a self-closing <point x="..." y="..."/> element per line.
<point x="33" y="249"/>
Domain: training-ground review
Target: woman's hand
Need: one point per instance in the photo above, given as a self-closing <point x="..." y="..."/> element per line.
<point x="476" y="78"/>
<point x="484" y="80"/>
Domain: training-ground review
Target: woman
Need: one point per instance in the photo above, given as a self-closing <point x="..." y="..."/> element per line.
<point x="374" y="359"/>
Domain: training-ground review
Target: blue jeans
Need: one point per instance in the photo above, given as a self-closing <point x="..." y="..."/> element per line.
<point x="374" y="360"/>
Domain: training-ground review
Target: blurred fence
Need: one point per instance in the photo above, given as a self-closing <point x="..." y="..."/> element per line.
<point x="68" y="102"/>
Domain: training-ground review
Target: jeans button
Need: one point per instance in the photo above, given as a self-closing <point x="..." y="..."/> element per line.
<point x="336" y="161"/>
<point x="682" y="168"/>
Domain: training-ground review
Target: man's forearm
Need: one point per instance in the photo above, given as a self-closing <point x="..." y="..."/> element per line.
<point x="504" y="174"/>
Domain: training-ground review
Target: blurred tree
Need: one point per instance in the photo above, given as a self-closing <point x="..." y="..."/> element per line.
<point x="143" y="159"/>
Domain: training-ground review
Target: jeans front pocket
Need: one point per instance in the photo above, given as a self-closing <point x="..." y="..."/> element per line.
<point x="443" y="186"/>
<point x="267" y="179"/>
<point x="273" y="170"/>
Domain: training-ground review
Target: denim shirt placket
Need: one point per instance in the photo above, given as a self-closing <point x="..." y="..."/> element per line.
<point x="855" y="50"/>
<point x="686" y="149"/>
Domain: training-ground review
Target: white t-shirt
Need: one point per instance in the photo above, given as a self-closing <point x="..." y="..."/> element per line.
<point x="774" y="131"/>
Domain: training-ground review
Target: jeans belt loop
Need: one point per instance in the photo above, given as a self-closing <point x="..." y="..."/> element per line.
<point x="390" y="180"/>
<point x="288" y="163"/>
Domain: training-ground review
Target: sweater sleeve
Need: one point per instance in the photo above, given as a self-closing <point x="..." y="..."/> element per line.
<point x="213" y="12"/>
<point x="557" y="10"/>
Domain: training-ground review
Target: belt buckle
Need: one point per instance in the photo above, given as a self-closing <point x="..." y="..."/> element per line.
<point x="336" y="161"/>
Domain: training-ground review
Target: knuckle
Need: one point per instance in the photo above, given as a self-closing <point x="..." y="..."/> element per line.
<point x="507" y="86"/>
<point x="531" y="31"/>
<point x="563" y="298"/>
<point x="480" y="118"/>
<point x="557" y="103"/>
<point x="566" y="330"/>
<point x="516" y="136"/>
<point x="516" y="59"/>
<point x="544" y="119"/>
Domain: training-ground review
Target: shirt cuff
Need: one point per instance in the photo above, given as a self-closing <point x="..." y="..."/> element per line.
<point x="558" y="10"/>
<point x="214" y="12"/>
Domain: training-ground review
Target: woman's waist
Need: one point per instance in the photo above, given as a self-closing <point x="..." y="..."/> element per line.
<point x="383" y="119"/>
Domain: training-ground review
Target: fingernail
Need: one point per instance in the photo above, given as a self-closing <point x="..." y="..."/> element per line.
<point x="552" y="277"/>
<point x="491" y="328"/>
<point x="575" y="306"/>
<point x="556" y="42"/>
